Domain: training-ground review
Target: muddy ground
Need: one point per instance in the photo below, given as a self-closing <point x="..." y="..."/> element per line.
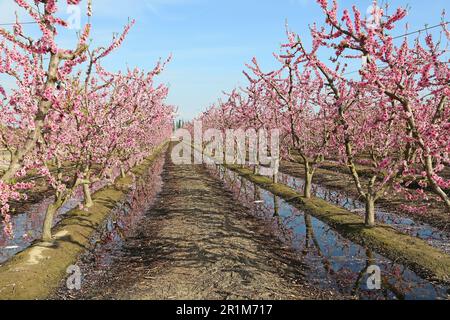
<point x="197" y="243"/>
<point x="333" y="178"/>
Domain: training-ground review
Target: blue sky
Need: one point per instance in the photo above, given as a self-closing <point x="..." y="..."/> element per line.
<point x="211" y="40"/>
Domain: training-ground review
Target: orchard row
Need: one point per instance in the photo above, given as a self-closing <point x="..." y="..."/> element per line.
<point x="67" y="119"/>
<point x="392" y="117"/>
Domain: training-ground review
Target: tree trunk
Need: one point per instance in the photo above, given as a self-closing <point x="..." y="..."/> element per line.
<point x="88" y="203"/>
<point x="309" y="174"/>
<point x="276" y="170"/>
<point x="13" y="168"/>
<point x="308" y="184"/>
<point x="39" y="122"/>
<point x="48" y="222"/>
<point x="61" y="199"/>
<point x="257" y="194"/>
<point x="434" y="185"/>
<point x="276" y="206"/>
<point x="370" y="211"/>
<point x="122" y="172"/>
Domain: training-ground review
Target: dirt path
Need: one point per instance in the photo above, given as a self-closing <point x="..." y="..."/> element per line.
<point x="198" y="243"/>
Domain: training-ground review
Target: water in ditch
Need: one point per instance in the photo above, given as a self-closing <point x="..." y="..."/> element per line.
<point x="27" y="226"/>
<point x="122" y="221"/>
<point x="433" y="236"/>
<point x="333" y="261"/>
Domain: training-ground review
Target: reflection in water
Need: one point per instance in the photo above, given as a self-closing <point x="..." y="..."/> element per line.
<point x="27" y="226"/>
<point x="276" y="206"/>
<point x="123" y="220"/>
<point x="333" y="261"/>
<point x="433" y="236"/>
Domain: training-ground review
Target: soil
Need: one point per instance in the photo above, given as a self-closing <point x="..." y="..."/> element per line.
<point x="335" y="178"/>
<point x="197" y="243"/>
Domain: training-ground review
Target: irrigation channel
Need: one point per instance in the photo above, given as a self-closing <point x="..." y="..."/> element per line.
<point x="204" y="232"/>
<point x="435" y="237"/>
<point x="27" y="225"/>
